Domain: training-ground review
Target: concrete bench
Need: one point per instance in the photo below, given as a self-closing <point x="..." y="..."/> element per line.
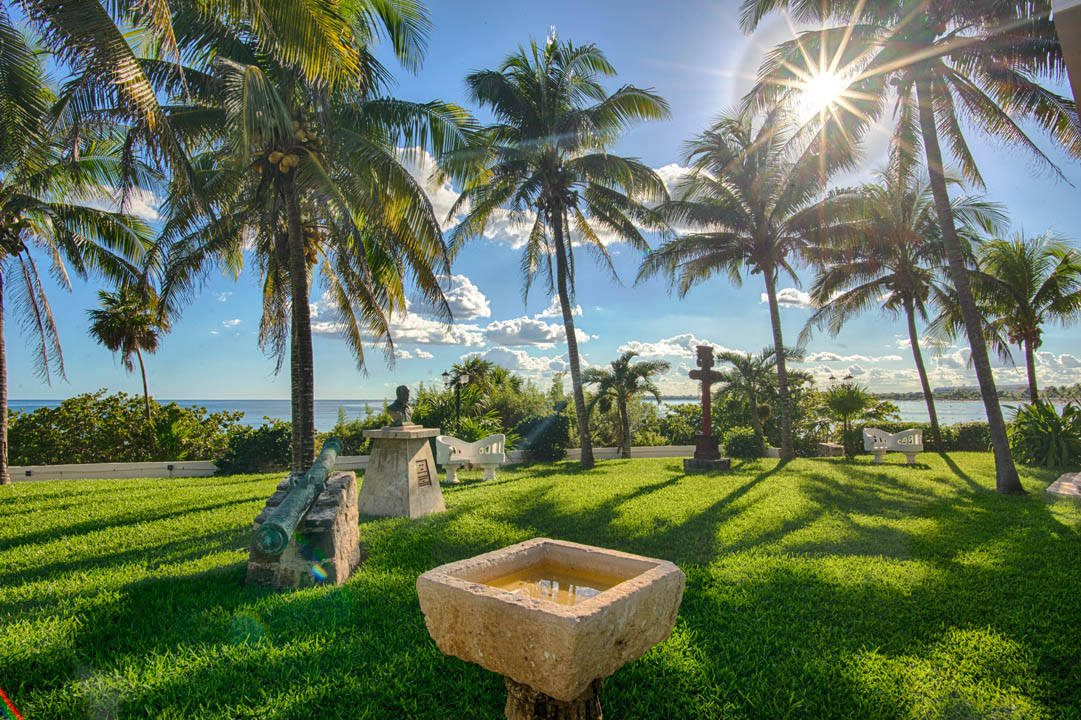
<point x="454" y="454"/>
<point x="829" y="449"/>
<point x="880" y="442"/>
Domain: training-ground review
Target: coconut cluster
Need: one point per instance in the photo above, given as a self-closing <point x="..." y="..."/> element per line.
<point x="305" y="138"/>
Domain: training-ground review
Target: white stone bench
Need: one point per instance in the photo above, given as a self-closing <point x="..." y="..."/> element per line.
<point x="453" y="454"/>
<point x="880" y="442"/>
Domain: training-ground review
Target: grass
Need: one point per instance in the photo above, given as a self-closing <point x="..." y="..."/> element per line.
<point x="823" y="588"/>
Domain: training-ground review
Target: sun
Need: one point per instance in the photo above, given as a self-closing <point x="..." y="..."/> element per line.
<point x="821" y="91"/>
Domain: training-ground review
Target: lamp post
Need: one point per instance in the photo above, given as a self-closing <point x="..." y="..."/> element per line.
<point x="458" y="380"/>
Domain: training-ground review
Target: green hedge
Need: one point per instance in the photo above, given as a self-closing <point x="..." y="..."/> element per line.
<point x="741" y="442"/>
<point x="960" y="437"/>
<point x="545" y="437"/>
<point x="97" y="428"/>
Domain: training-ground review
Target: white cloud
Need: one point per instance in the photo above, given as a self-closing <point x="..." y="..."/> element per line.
<point x="423" y="354"/>
<point x="555" y="310"/>
<point x="465" y="299"/>
<point x="672" y="175"/>
<point x="522" y="361"/>
<point x="214" y="332"/>
<point x="791" y="297"/>
<point x="528" y="331"/>
<point x="231" y="323"/>
<point x="403" y="355"/>
<point x="819" y="357"/>
<point x="678" y="346"/>
<point x="224" y="296"/>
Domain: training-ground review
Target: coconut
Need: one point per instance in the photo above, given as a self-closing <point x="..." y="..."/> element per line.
<point x="275" y="157"/>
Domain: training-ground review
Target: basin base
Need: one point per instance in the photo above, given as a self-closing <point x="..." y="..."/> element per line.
<point x="525" y="703"/>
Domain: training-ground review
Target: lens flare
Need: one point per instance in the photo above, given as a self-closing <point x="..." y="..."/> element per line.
<point x="319" y="572"/>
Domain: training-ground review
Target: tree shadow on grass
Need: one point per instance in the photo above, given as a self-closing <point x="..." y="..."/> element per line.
<point x="875" y="596"/>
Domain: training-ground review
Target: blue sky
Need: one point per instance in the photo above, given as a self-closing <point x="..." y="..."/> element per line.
<point x="693" y="54"/>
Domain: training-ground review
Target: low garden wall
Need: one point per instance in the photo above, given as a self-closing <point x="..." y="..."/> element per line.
<point x="205" y="468"/>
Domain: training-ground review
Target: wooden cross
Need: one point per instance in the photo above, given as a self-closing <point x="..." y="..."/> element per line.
<point x="707" y="375"/>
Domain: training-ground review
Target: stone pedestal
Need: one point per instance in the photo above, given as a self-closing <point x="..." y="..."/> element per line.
<point x="401" y="479"/>
<point x="829" y="449"/>
<point x="707" y="456"/>
<point x="326" y="545"/>
<point x="525" y="703"/>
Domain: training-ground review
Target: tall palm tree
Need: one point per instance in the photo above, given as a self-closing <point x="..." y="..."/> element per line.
<point x="753" y="376"/>
<point x="121" y="53"/>
<point x="313" y="176"/>
<point x="750" y="201"/>
<point x="620" y="384"/>
<point x="51" y="187"/>
<point x="1021" y="284"/>
<point x="885" y="249"/>
<point x="128" y="322"/>
<point x="943" y="62"/>
<point x="547" y="164"/>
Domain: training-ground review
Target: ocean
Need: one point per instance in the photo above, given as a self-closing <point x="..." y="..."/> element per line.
<point x="326" y="411"/>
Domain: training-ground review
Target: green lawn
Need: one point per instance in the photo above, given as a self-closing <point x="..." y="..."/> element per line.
<point x="820" y="589"/>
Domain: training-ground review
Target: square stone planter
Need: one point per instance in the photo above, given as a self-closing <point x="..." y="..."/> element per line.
<point x="528" y="635"/>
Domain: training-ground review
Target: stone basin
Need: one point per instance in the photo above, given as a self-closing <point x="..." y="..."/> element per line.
<point x="608" y="609"/>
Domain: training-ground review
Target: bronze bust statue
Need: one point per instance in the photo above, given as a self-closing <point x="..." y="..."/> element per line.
<point x="400" y="411"/>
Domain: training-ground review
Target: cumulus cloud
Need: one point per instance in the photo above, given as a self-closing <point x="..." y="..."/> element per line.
<point x="791" y="297"/>
<point x="834" y="357"/>
<point x="231" y="323"/>
<point x="522" y="361"/>
<point x="676" y="346"/>
<point x="528" y="331"/>
<point x="224" y="296"/>
<point x="423" y="354"/>
<point x="555" y="310"/>
<point x="465" y="299"/>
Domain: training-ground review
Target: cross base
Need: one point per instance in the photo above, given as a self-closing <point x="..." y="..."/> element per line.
<point x="693" y="465"/>
<point x="706" y="447"/>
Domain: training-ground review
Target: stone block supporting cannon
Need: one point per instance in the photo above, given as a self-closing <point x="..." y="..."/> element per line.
<point x="307" y="533"/>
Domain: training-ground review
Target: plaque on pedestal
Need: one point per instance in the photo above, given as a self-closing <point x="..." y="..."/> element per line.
<point x="398" y="479"/>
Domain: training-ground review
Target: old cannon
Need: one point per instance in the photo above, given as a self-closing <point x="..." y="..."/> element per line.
<point x="272" y="537"/>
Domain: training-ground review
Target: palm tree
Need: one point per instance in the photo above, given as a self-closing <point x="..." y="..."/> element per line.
<point x="885" y="249"/>
<point x="752" y="376"/>
<point x="51" y="181"/>
<point x="1021" y="284"/>
<point x="750" y="197"/>
<point x="943" y="61"/>
<point x="128" y="322"/>
<point x="547" y="164"/>
<point x="314" y="177"/>
<point x="624" y="381"/>
<point x="113" y="74"/>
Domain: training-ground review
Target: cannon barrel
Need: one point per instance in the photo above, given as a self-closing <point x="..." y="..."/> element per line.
<point x="272" y="537"/>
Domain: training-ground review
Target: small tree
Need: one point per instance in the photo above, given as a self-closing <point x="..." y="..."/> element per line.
<point x="619" y="385"/>
<point x="128" y="323"/>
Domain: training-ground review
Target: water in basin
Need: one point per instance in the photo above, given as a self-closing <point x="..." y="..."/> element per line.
<point x="555" y="583"/>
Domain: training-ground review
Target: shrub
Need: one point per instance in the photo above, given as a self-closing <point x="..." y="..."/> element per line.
<point x="1040" y="436"/>
<point x="741" y="442"/>
<point x="974" y="436"/>
<point x="681" y="423"/>
<point x="267" y="448"/>
<point x="545" y="437"/>
<point x="95" y="427"/>
<point x="351" y="432"/>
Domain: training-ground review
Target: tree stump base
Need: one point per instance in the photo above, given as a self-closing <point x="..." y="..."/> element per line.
<point x="525" y="703"/>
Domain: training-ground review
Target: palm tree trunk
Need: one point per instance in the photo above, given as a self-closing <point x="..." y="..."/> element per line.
<point x="1030" y="359"/>
<point x="146" y="398"/>
<point x="756" y="422"/>
<point x="625" y="428"/>
<point x="782" y="370"/>
<point x="5" y="476"/>
<point x="303" y="369"/>
<point x="1006" y="480"/>
<point x="572" y="341"/>
<point x="929" y="398"/>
